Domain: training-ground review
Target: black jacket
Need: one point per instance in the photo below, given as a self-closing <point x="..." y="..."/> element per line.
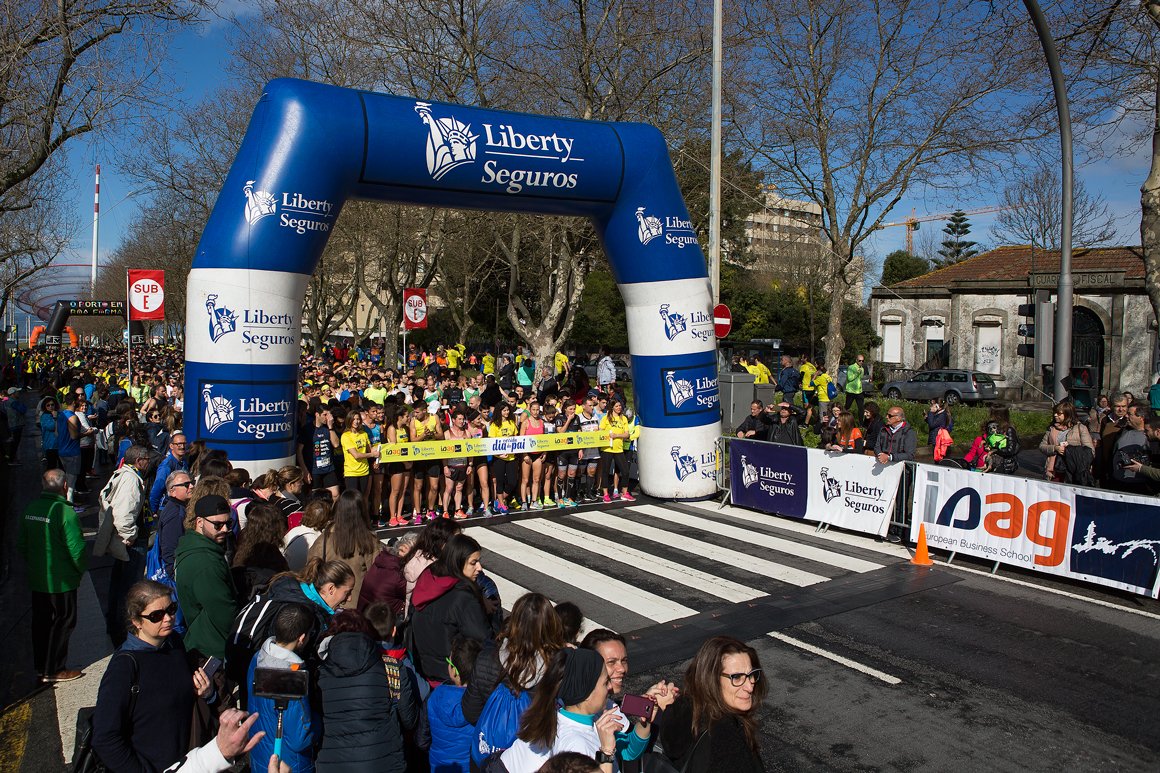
<point x="157" y="733"/>
<point x="444" y="607"/>
<point x="360" y="730"/>
<point x="725" y="748"/>
<point x="788" y="433"/>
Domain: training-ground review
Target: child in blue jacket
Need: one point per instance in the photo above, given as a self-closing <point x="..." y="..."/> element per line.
<point x="451" y="733"/>
<point x="300" y="728"/>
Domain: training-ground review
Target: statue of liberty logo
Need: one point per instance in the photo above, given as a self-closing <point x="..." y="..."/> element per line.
<point x="749" y="474"/>
<point x="648" y="227"/>
<point x="258" y="203"/>
<point x="674" y="323"/>
<point x="221" y="321"/>
<point x="680" y="390"/>
<point x="686" y="465"/>
<point x="450" y="143"/>
<point x="218" y="410"/>
<point x="831" y="487"/>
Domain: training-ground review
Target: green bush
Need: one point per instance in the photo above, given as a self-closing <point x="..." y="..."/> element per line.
<point x="969" y="420"/>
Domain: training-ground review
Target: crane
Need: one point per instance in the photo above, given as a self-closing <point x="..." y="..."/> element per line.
<point x="912" y="222"/>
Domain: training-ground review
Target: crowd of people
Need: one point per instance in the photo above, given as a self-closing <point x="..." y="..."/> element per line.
<point x="1115" y="444"/>
<point x="223" y="583"/>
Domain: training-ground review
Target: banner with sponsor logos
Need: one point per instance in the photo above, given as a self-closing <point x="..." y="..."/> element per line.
<point x="1097" y="536"/>
<point x="491" y="446"/>
<point x="850" y="491"/>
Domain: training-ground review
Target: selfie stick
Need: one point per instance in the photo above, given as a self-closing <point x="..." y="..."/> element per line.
<point x="280" y="706"/>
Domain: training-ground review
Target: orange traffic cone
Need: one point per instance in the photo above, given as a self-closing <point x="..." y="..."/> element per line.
<point x="921" y="556"/>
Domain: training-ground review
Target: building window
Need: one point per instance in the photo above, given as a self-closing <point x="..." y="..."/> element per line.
<point x="891" y="332"/>
<point x="989" y="349"/>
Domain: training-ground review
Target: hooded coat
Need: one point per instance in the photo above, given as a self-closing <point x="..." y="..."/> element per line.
<point x="360" y="729"/>
<point x="444" y="607"/>
<point x="205" y="591"/>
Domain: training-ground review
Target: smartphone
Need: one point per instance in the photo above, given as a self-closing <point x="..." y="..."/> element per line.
<point x="280" y="683"/>
<point x="637" y="707"/>
<point x="211" y="666"/>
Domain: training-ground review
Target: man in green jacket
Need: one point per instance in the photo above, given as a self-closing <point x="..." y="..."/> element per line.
<point x="854" y="373"/>
<point x="205" y="588"/>
<point x="54" y="548"/>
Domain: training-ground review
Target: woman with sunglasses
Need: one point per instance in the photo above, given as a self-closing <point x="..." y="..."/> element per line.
<point x="48" y="414"/>
<point x="712" y="726"/>
<point x="147" y="728"/>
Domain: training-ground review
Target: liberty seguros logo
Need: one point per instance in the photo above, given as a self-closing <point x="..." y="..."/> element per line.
<point x="295" y="211"/>
<point x="261" y="328"/>
<point x="676" y="231"/>
<point x="262" y="416"/>
<point x="698" y="324"/>
<point x="691" y="389"/>
<point x="686" y="464"/>
<point x="452" y="143"/>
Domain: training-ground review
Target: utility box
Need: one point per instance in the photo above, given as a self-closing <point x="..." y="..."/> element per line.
<point x="765" y="393"/>
<point x="736" y="397"/>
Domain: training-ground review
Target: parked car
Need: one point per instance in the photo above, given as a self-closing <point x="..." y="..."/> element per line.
<point x="953" y="386"/>
<point x="623" y="371"/>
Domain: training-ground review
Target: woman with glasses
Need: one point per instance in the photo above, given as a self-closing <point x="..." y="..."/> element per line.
<point x="712" y="726"/>
<point x="146" y="699"/>
<point x="48" y="434"/>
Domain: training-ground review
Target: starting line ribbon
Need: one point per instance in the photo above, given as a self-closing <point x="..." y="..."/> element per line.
<point x="492" y="446"/>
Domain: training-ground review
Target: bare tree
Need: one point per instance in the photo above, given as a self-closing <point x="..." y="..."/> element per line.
<point x="852" y="104"/>
<point x="1034" y="204"/>
<point x="331" y="296"/>
<point x="469" y="270"/>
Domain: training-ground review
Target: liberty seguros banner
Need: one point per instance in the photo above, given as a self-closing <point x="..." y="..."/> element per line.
<point x="850" y="491"/>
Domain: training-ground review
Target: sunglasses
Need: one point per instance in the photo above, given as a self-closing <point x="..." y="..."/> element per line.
<point x="187" y="484"/>
<point x="217" y="525"/>
<point x="157" y="615"/>
<point x="740" y="678"/>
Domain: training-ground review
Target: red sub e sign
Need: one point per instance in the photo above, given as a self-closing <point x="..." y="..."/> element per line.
<point x="146" y="294"/>
<point x="722" y="320"/>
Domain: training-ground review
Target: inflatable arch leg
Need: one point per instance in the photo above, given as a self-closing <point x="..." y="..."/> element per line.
<point x="310" y="147"/>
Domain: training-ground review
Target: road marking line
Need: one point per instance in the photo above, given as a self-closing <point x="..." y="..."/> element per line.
<point x="511" y="591"/>
<point x="826" y="557"/>
<point x="861" y="667"/>
<point x="1048" y="589"/>
<point x="805" y="527"/>
<point x="727" y="556"/>
<point x="634" y="599"/>
<point x="654" y="565"/>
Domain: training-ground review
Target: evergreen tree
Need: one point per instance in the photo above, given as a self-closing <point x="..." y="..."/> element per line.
<point x="956" y="248"/>
<point x="901" y="265"/>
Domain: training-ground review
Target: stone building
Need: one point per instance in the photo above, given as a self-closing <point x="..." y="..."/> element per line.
<point x="967" y="316"/>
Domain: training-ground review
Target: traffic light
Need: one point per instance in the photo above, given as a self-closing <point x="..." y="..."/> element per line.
<point x="1040" y="331"/>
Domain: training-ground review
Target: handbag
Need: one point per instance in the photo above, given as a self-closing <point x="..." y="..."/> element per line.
<point x="85" y="760"/>
<point x="657" y="762"/>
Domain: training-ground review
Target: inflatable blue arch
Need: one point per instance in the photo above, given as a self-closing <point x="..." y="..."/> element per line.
<point x="311" y="147"/>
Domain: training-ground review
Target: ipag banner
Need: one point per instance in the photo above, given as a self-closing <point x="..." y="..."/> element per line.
<point x="847" y="490"/>
<point x="1097" y="536"/>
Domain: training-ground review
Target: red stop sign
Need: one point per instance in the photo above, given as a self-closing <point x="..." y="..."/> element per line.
<point x="722" y="320"/>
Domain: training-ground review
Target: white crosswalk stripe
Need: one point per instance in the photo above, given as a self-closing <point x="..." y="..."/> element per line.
<point x="820" y="555"/>
<point x="657" y="563"/>
<point x="671" y="570"/>
<point x="761" y="566"/>
<point x="582" y="578"/>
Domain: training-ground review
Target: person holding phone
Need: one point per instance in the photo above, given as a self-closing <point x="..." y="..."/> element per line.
<point x="712" y="726"/>
<point x="147" y="729"/>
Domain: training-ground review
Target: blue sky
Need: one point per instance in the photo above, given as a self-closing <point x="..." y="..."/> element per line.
<point x="198" y="65"/>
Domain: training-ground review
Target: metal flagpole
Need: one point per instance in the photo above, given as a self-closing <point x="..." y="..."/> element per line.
<point x="715" y="163"/>
<point x="128" y="336"/>
<point x="96" y="221"/>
